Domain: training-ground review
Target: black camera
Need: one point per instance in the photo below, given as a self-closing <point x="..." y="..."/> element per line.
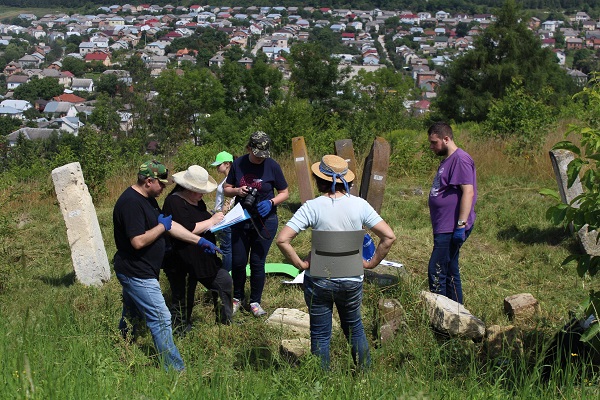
<point x="251" y="199"/>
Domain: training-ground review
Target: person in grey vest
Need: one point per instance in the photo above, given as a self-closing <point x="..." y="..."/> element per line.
<point x="335" y="210"/>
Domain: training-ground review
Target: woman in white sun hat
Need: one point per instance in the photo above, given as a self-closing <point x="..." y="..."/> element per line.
<point x="199" y="264"/>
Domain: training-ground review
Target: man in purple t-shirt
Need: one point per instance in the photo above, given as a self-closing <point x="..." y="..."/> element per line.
<point x="451" y="206"/>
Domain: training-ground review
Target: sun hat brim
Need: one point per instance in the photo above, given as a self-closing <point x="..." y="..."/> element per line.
<point x="210" y="184"/>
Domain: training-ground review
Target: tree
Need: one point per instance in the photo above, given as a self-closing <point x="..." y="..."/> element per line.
<point x="110" y="84"/>
<point x="105" y="115"/>
<point x="137" y="69"/>
<point x="316" y="76"/>
<point x="45" y="88"/>
<point x="504" y="51"/>
<point x="76" y="66"/>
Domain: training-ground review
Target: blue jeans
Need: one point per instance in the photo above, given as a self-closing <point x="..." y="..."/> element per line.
<point x="245" y="241"/>
<point x="224" y="238"/>
<point x="143" y="299"/>
<point x="443" y="271"/>
<point x="320" y="295"/>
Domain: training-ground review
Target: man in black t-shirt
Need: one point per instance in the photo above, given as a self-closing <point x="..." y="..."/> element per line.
<point x="138" y="230"/>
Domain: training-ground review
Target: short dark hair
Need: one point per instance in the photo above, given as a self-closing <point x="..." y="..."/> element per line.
<point x="440" y="129"/>
<point x="324" y="186"/>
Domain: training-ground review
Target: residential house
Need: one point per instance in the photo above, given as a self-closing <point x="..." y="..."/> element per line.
<point x="6" y="111"/>
<point x="29" y="134"/>
<point x="82" y="85"/>
<point x="58" y="108"/>
<point x="100" y="57"/>
<point x="14" y="81"/>
<point x="20" y="105"/>
<point x="157" y="48"/>
<point x="574" y="43"/>
<point x="30" y="61"/>
<point x="69" y="98"/>
<point x="218" y="59"/>
<point x="12" y="68"/>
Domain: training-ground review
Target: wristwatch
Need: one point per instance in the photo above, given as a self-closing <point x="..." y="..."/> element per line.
<point x="461" y="223"/>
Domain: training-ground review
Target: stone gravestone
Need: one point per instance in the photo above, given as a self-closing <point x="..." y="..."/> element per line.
<point x="560" y="162"/>
<point x="303" y="172"/>
<point x="452" y="318"/>
<point x="83" y="231"/>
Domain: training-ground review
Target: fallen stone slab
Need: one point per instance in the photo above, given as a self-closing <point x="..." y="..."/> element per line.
<point x="452" y="318"/>
<point x="293" y="319"/>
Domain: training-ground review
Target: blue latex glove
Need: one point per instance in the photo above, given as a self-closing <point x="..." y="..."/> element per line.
<point x="264" y="207"/>
<point x="458" y="236"/>
<point x="208" y="246"/>
<point x="166" y="221"/>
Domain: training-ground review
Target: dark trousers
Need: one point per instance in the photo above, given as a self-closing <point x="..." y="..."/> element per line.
<point x="183" y="291"/>
<point x="246" y="243"/>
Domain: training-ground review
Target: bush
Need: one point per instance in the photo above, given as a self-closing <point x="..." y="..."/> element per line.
<point x="410" y="154"/>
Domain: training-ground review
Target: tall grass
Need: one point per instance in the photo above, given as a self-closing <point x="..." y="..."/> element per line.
<point x="61" y="339"/>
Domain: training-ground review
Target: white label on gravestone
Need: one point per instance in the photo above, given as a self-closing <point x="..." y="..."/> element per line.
<point x="74" y="213"/>
<point x="299" y="159"/>
<point x="377" y="177"/>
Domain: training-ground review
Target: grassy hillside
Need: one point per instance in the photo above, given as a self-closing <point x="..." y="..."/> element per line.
<point x="61" y="339"/>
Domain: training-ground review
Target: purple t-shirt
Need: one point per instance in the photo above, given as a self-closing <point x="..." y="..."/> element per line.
<point x="445" y="194"/>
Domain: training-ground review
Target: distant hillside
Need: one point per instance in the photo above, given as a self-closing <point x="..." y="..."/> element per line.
<point x="479" y="6"/>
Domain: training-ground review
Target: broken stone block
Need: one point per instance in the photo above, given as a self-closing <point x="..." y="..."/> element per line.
<point x="294" y="349"/>
<point x="295" y="320"/>
<point x="83" y="231"/>
<point x="452" y="318"/>
<point x="391" y="318"/>
<point x="503" y="341"/>
<point x="521" y="308"/>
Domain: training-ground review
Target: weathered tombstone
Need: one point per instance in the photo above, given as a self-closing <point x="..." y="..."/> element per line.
<point x="522" y="308"/>
<point x="294" y="349"/>
<point x="560" y="162"/>
<point x="452" y="318"/>
<point x="302" y="165"/>
<point x="83" y="231"/>
<point x="345" y="149"/>
<point x="372" y="185"/>
<point x="503" y="341"/>
<point x="391" y="319"/>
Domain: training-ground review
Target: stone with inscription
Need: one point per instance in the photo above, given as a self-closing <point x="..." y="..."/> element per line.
<point x="90" y="261"/>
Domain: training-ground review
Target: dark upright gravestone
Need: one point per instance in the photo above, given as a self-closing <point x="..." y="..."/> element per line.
<point x="302" y="166"/>
<point x="345" y="149"/>
<point x="372" y="185"/>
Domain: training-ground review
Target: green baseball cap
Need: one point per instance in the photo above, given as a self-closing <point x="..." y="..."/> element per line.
<point x="221" y="158"/>
<point x="156" y="170"/>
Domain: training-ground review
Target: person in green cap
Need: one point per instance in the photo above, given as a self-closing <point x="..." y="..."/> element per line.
<point x="139" y="233"/>
<point x="223" y="163"/>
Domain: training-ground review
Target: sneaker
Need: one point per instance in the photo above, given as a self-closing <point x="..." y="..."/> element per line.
<point x="257" y="310"/>
<point x="236" y="305"/>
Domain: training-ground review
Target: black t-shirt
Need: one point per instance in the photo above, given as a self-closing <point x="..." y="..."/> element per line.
<point x="133" y="215"/>
<point x="187" y="256"/>
<point x="265" y="177"/>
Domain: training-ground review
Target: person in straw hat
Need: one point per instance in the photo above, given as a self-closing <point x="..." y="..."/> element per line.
<point x="335" y="210"/>
<point x="193" y="263"/>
